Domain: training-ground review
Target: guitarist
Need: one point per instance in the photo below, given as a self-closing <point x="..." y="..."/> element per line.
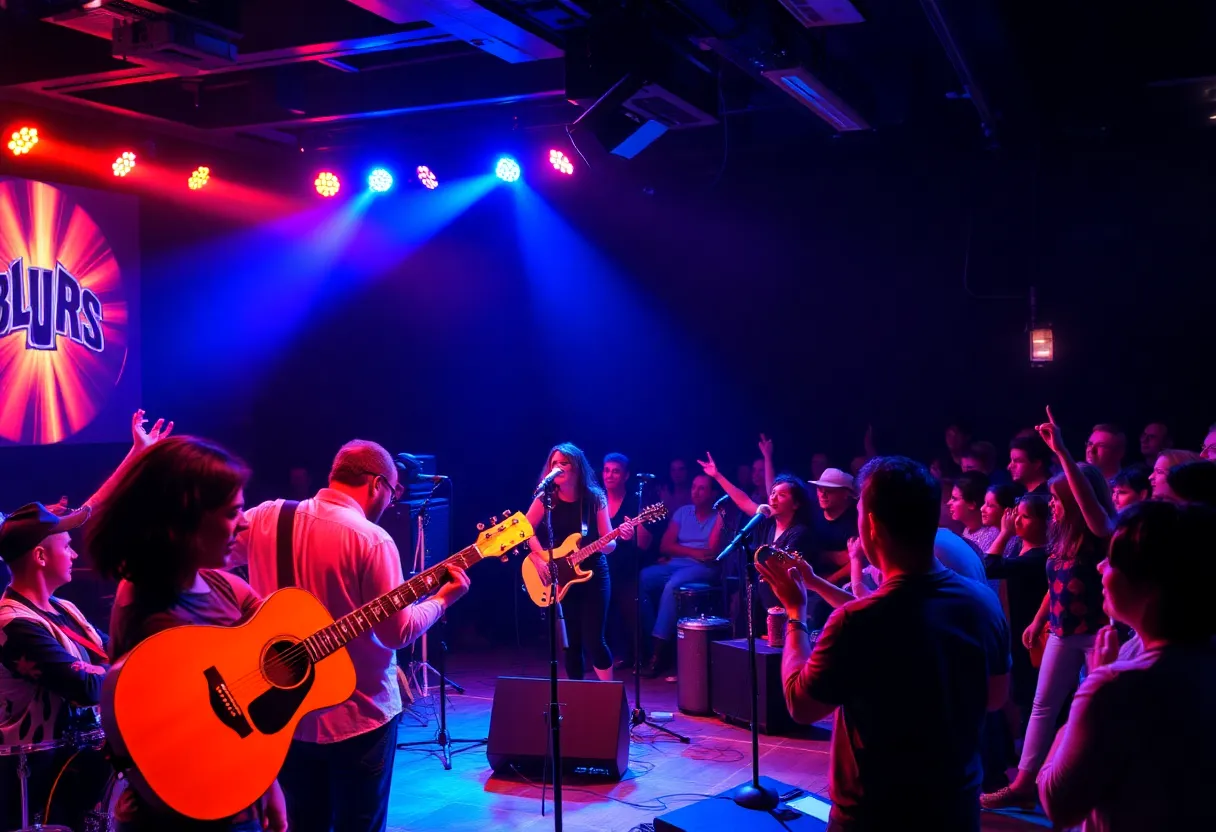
<point x="340" y="767"/>
<point x="165" y="530"/>
<point x="579" y="507"/>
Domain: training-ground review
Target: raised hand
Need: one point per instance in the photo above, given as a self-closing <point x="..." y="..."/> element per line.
<point x="766" y="447"/>
<point x="1051" y="434"/>
<point x="144" y="439"/>
<point x="709" y="467"/>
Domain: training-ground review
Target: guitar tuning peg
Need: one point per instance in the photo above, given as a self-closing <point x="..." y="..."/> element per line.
<point x="494" y="520"/>
<point x="481" y="527"/>
<point x="506" y="558"/>
<point x="506" y="514"/>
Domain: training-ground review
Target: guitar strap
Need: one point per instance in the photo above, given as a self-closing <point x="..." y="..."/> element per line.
<point x="282" y="543"/>
<point x="88" y="644"/>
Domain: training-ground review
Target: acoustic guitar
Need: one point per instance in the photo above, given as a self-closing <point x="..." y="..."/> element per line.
<point x="201" y="717"/>
<point x="566" y="571"/>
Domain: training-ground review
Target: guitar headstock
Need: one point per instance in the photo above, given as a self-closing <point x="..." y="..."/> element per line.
<point x="502" y="536"/>
<point x="650" y="514"/>
<point x="777" y="555"/>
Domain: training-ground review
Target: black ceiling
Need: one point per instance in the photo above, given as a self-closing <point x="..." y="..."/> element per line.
<point x="987" y="71"/>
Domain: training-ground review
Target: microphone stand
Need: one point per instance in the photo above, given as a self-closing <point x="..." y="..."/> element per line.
<point x="442" y="738"/>
<point x="555" y="716"/>
<point x="752" y="795"/>
<point x="638" y="715"/>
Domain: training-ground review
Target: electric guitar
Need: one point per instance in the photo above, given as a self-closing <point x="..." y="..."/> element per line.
<point x="567" y="557"/>
<point x="201" y="717"/>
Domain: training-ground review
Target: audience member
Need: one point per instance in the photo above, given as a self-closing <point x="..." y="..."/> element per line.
<point x="1105" y="449"/>
<point x="1159" y="479"/>
<point x="1030" y="463"/>
<point x="1154" y="441"/>
<point x="908" y="749"/>
<point x="676" y="491"/>
<point x="1139" y="747"/>
<point x="1071" y="609"/>
<point x="1193" y="482"/>
<point x="1130" y="486"/>
<point x="690" y="543"/>
<point x="966" y="507"/>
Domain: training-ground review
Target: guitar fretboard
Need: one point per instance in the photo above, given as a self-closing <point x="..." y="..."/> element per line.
<point x="354" y="624"/>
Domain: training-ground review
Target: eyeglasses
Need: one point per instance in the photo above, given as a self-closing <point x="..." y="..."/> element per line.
<point x="395" y="491"/>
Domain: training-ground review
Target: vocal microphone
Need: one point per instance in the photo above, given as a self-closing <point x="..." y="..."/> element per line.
<point x="721" y="501"/>
<point x="762" y="511"/>
<point x="546" y="482"/>
<point x="644" y="476"/>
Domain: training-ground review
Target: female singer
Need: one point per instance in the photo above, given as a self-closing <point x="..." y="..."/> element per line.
<point x="165" y="531"/>
<point x="579" y="507"/>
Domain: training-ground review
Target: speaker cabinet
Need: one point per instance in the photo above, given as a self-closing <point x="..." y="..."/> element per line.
<point x="594" y="729"/>
<point x="730" y="691"/>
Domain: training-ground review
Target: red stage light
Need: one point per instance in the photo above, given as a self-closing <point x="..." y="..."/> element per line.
<point x="124" y="164"/>
<point x="561" y="162"/>
<point x="327" y="184"/>
<point x="23" y="140"/>
<point x="200" y="177"/>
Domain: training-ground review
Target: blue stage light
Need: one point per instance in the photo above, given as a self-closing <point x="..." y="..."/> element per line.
<point x="380" y="180"/>
<point x="508" y="169"/>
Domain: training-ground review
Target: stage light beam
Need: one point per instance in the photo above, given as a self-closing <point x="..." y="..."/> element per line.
<point x="507" y="169"/>
<point x="23" y="140"/>
<point x="380" y="180"/>
<point x="561" y="162"/>
<point x="428" y="178"/>
<point x="124" y="164"/>
<point x="200" y="177"/>
<point x="327" y="184"/>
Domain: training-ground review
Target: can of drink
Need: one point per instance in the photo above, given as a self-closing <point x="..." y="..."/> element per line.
<point x="776" y="626"/>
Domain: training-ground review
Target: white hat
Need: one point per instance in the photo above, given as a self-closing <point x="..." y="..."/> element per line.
<point x="834" y="478"/>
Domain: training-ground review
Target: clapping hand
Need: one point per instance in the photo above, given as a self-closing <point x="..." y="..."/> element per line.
<point x="145" y="439"/>
<point x="788" y="582"/>
<point x="1106" y="648"/>
<point x="1007" y="525"/>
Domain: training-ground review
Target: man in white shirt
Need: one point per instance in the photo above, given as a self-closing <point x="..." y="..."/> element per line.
<point x="340" y="766"/>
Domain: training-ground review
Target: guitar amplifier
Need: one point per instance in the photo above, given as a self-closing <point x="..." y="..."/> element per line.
<point x="401" y="522"/>
<point x="730" y="689"/>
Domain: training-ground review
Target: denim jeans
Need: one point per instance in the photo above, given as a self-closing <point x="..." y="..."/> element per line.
<point x="1063" y="661"/>
<point x="662" y="580"/>
<point x="341" y="785"/>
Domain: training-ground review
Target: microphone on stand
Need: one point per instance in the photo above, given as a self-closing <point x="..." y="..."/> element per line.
<point x="720" y="502"/>
<point x="546" y="482"/>
<point x="762" y="511"/>
<point x="644" y="476"/>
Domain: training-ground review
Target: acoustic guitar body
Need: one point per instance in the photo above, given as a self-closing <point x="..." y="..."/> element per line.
<point x="568" y="574"/>
<point x="206" y="714"/>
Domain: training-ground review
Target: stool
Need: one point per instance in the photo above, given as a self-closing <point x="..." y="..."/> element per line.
<point x="698" y="601"/>
<point x="693" y="637"/>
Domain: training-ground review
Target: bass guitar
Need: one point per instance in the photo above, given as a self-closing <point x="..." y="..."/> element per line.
<point x="200" y="718"/>
<point x="565" y="571"/>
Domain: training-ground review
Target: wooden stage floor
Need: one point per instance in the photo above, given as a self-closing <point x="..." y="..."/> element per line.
<point x="662" y="772"/>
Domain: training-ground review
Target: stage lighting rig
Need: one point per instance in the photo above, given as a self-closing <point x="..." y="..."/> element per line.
<point x="23" y="140"/>
<point x="507" y="169"/>
<point x="327" y="184"/>
<point x="379" y="181"/>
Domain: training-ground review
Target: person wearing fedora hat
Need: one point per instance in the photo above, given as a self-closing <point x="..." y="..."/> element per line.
<point x="52" y="660"/>
<point x="834" y="523"/>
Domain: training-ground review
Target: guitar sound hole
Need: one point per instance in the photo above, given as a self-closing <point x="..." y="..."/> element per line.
<point x="285" y="664"/>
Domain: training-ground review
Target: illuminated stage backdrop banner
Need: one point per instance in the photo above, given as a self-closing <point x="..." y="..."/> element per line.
<point x="69" y="314"/>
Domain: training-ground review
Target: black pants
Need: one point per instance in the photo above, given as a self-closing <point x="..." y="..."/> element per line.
<point x="341" y="785"/>
<point x="586" y="613"/>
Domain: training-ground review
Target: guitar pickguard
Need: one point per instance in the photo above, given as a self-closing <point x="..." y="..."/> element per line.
<point x="272" y="710"/>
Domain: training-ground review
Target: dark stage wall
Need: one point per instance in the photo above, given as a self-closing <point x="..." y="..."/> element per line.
<point x="806" y="300"/>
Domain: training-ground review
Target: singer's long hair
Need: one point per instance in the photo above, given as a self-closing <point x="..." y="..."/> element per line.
<point x="588" y="486"/>
<point x="803" y="515"/>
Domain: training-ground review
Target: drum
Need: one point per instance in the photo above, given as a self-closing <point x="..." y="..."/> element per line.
<point x="102" y="819"/>
<point x="22" y="753"/>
